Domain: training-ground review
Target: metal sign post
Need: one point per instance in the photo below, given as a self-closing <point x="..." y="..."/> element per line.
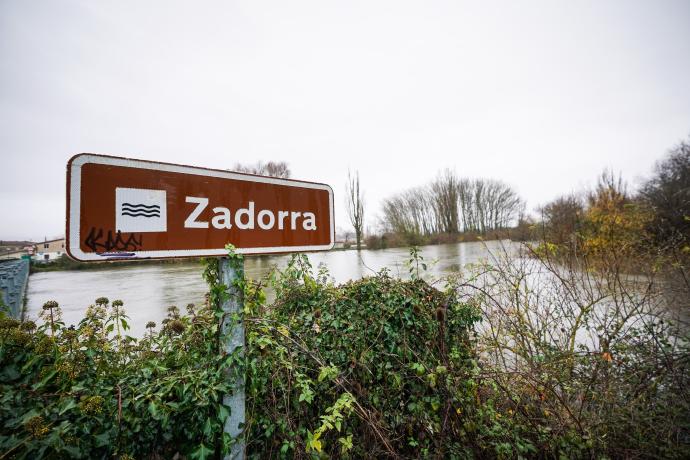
<point x="232" y="341"/>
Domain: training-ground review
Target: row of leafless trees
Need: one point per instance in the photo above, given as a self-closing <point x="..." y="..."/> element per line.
<point x="272" y="168"/>
<point x="451" y="204"/>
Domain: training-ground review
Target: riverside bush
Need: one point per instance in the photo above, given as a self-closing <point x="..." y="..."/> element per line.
<point x="91" y="391"/>
<point x="375" y="367"/>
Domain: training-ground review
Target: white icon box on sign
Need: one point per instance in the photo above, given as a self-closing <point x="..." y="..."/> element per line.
<point x="139" y="210"/>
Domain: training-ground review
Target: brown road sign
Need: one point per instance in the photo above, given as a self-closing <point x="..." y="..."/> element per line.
<point x="119" y="208"/>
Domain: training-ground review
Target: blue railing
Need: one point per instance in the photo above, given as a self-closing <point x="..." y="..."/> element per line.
<point x="14" y="274"/>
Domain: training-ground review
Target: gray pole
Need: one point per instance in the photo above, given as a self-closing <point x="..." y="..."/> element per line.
<point x="232" y="337"/>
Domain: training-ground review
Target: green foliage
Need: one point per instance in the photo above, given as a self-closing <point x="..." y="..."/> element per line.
<point x="373" y="368"/>
<point x="345" y="370"/>
<point x="94" y="392"/>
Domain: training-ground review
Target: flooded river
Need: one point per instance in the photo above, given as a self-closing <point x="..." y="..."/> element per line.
<point x="148" y="290"/>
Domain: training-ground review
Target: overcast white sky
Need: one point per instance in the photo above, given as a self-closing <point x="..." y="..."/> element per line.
<point x="542" y="95"/>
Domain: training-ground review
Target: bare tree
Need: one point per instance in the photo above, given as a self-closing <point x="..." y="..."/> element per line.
<point x="355" y="205"/>
<point x="272" y="168"/>
<point x="487" y="204"/>
<point x="411" y="213"/>
<point x="445" y="193"/>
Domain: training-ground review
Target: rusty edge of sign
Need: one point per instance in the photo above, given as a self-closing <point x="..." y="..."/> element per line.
<point x="73" y="208"/>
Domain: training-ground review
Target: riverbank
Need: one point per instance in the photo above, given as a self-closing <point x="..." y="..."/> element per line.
<point x="65" y="263"/>
<point x="522" y="232"/>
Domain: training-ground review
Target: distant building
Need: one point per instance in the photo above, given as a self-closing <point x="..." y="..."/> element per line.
<point x="13" y="253"/>
<point x="18" y="250"/>
<point x="49" y="250"/>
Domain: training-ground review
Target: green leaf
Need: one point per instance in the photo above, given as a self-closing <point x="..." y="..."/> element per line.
<point x="45" y="380"/>
<point x="153" y="410"/>
<point x="345" y="443"/>
<point x="208" y="427"/>
<point x="70" y="404"/>
<point x="327" y="372"/>
<point x="201" y="453"/>
<point x="223" y="413"/>
<point x="102" y="439"/>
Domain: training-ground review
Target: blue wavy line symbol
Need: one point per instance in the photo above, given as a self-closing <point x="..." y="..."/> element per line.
<point x="140" y="210"/>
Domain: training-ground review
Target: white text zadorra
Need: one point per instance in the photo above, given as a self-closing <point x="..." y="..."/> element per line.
<point x="245" y="218"/>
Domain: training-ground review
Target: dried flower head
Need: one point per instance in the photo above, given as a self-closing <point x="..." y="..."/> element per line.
<point x="8" y="323"/>
<point x="102" y="301"/>
<point x="150" y="325"/>
<point x="51" y="312"/>
<point x="50" y="305"/>
<point x="177" y="326"/>
<point x="20" y="338"/>
<point x="36" y="427"/>
<point x="95" y="312"/>
<point x="28" y="326"/>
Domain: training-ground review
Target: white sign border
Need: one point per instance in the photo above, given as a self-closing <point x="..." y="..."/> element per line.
<point x="74" y="208"/>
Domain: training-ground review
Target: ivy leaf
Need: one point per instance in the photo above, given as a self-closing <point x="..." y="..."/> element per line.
<point x="223" y="413"/>
<point x="208" y="427"/>
<point x="153" y="410"/>
<point x="202" y="452"/>
<point x="102" y="439"/>
<point x="70" y="404"/>
<point x="45" y="380"/>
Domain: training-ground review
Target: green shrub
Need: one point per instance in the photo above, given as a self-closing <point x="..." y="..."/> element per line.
<point x="374" y="367"/>
<point x="94" y="392"/>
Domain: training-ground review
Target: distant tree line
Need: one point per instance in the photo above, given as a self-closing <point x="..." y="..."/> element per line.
<point x="452" y="204"/>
